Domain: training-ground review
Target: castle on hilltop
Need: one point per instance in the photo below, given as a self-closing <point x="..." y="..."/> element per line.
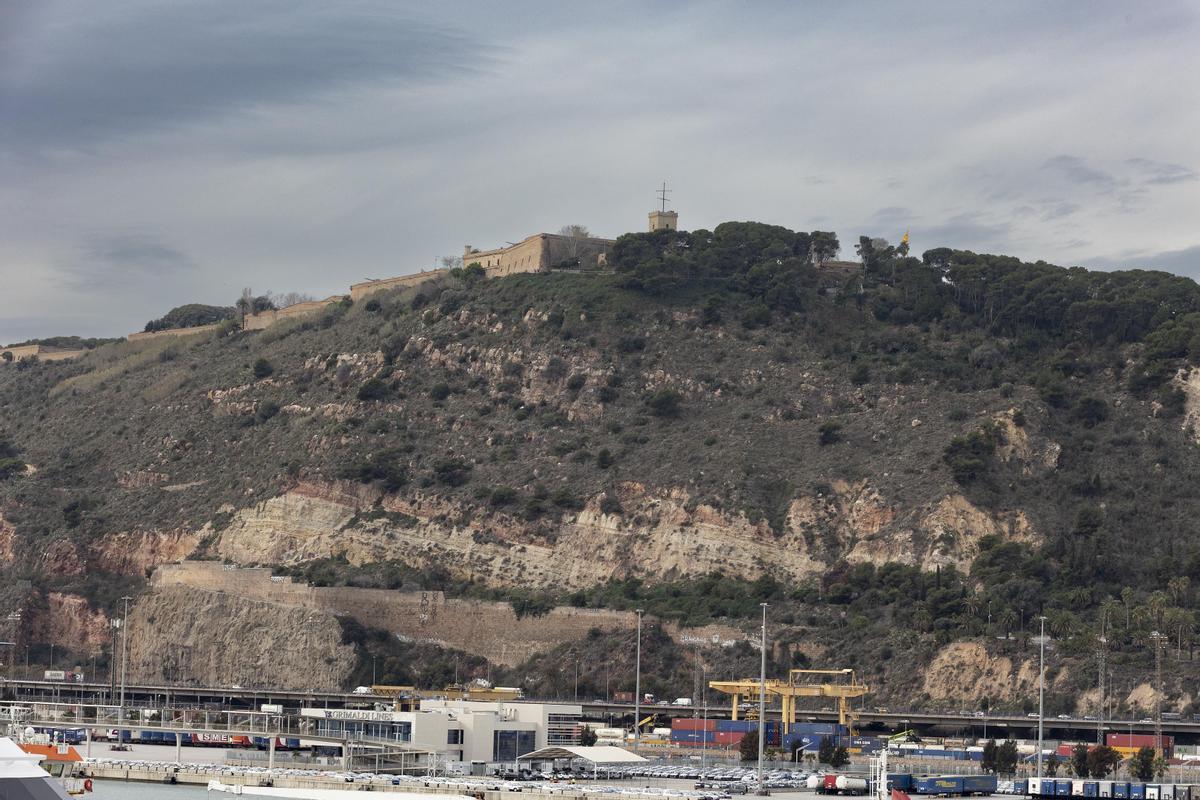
<point x="540" y="252"/>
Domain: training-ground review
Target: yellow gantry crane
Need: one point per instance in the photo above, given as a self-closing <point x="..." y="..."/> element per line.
<point x="801" y="683"/>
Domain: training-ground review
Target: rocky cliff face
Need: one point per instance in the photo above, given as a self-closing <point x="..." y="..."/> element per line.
<point x="661" y="534"/>
<point x="180" y="632"/>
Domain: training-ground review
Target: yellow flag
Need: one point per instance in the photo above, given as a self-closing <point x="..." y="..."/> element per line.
<point x="905" y="239"/>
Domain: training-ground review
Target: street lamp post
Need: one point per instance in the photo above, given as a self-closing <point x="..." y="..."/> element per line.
<point x="1041" y="694"/>
<point x="637" y="687"/>
<point x="124" y="656"/>
<point x="762" y="701"/>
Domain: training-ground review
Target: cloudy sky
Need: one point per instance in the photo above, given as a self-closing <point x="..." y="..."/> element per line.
<point x="157" y="153"/>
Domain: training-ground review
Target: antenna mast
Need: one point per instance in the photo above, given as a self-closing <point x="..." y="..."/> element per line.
<point x="662" y="195"/>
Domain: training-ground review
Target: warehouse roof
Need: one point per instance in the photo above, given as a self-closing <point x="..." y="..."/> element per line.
<point x="602" y="754"/>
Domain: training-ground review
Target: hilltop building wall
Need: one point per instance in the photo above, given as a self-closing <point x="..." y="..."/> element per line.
<point x="142" y="336"/>
<point x="39" y="351"/>
<point x="360" y="290"/>
<point x="265" y="319"/>
<point x="538" y="253"/>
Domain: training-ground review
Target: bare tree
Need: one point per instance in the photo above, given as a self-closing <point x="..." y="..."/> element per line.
<point x="575" y="234"/>
<point x="452" y="262"/>
<point x="292" y="298"/>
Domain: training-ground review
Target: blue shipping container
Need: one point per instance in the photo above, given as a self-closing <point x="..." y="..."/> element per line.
<point x="1062" y="788"/>
<point x="943" y="784"/>
<point x="1137" y="791"/>
<point x="1091" y="789"/>
<point x="1121" y="790"/>
<point x="1021" y="787"/>
<point x="979" y="784"/>
<point x="900" y="780"/>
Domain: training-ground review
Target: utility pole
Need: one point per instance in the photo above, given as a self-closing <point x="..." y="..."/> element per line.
<point x="637" y="687"/>
<point x="124" y="655"/>
<point x="1102" y="654"/>
<point x="1041" y="694"/>
<point x="762" y="702"/>
<point x="1159" y="640"/>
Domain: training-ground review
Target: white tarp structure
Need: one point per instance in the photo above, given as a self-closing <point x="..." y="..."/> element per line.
<point x="602" y="754"/>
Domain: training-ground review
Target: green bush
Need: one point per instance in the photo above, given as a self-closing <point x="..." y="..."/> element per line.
<point x="665" y="403"/>
<point x="439" y="392"/>
<point x="262" y="369"/>
<point x="373" y="389"/>
<point x="829" y="433"/>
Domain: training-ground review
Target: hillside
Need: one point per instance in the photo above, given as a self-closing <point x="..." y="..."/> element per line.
<point x="910" y="461"/>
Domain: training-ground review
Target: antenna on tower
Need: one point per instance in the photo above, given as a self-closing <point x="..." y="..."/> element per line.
<point x="662" y="195"/>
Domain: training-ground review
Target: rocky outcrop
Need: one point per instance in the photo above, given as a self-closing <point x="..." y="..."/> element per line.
<point x="219" y="640"/>
<point x="966" y="672"/>
<point x="660" y="534"/>
<point x="137" y="553"/>
<point x="69" y="622"/>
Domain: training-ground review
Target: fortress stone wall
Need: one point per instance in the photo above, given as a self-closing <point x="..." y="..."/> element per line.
<point x="360" y="290"/>
<point x="143" y="336"/>
<point x="484" y="628"/>
<point x="538" y="253"/>
<point x="39" y="351"/>
<point x="265" y="319"/>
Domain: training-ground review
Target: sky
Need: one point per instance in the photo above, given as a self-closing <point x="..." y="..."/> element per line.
<point x="159" y="153"/>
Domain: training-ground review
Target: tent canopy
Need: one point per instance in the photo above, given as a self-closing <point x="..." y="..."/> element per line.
<point x="603" y="754"/>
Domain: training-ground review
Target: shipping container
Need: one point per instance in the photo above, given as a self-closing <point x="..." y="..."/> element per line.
<point x="1033" y="787"/>
<point x="979" y="784"/>
<point x="1062" y="788"/>
<point x="1166" y="792"/>
<point x="900" y="780"/>
<point x="622" y="697"/>
<point x="1136" y="740"/>
<point x="1105" y="789"/>
<point x="693" y="724"/>
<point x="1152" y="791"/>
<point x="1091" y="789"/>
<point x="1120" y="790"/>
<point x="1077" y="788"/>
<point x="1137" y="791"/>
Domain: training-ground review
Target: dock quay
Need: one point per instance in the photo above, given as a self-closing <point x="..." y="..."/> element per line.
<point x="201" y="774"/>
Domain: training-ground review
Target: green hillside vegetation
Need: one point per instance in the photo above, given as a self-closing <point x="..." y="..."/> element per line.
<point x="731" y="362"/>
<point x="192" y="315"/>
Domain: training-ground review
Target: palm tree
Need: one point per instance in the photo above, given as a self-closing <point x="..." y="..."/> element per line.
<point x="1127" y="599"/>
<point x="1157" y="606"/>
<point x="1178" y="587"/>
<point x="1107" y="610"/>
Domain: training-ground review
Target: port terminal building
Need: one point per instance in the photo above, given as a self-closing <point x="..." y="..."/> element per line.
<point x="458" y="730"/>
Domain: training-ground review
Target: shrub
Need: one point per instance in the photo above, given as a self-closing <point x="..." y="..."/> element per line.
<point x="502" y="496"/>
<point x="373" y="389"/>
<point x="576" y="382"/>
<point x="609" y="504"/>
<point x="604" y="459"/>
<point x="439" y="392"/>
<point x="262" y="369"/>
<point x="452" y="471"/>
<point x="607" y="394"/>
<point x="565" y="498"/>
<point x="1090" y="411"/>
<point x="829" y="433"/>
<point x="969" y="456"/>
<point x="665" y="403"/>
<point x="386" y="467"/>
<point x="860" y="375"/>
<point x="266" y="410"/>
<point x="757" y="316"/>
<point x="372" y="306"/>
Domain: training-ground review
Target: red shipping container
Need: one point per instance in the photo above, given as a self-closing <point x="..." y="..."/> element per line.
<point x="728" y="737"/>
<point x="693" y="724"/>
<point x="1137" y="740"/>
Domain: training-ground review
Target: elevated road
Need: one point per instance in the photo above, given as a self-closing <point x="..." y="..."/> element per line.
<point x="226" y="698"/>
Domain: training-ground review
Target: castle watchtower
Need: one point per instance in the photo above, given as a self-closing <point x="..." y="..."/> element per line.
<point x="663" y="219"/>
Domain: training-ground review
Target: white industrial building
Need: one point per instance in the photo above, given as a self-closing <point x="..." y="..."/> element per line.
<point x="459" y="730"/>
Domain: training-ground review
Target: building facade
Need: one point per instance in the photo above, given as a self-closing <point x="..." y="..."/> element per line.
<point x="463" y="731"/>
<point x="541" y="252"/>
